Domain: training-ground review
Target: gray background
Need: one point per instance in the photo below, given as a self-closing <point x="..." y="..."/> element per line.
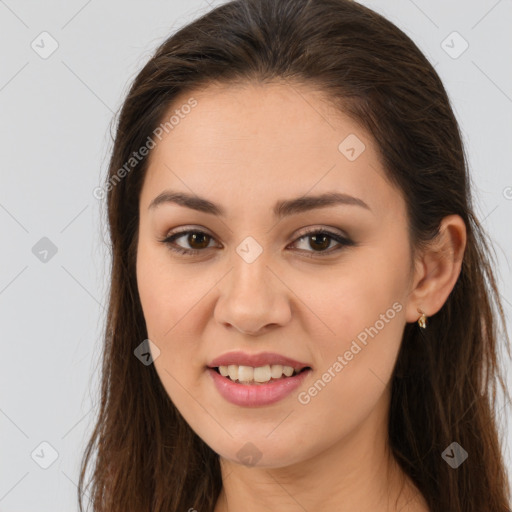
<point x="55" y="135"/>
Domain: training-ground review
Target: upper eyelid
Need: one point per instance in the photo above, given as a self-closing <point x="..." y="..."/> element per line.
<point x="304" y="232"/>
<point x="306" y="229"/>
<point x="314" y="229"/>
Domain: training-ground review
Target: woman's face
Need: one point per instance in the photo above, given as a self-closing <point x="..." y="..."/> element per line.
<point x="258" y="283"/>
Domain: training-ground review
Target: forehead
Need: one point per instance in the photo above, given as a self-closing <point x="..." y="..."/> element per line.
<point x="264" y="142"/>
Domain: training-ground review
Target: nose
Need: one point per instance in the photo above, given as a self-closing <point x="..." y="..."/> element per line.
<point x="253" y="297"/>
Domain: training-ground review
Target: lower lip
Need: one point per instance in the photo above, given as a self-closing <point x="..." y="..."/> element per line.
<point x="252" y="395"/>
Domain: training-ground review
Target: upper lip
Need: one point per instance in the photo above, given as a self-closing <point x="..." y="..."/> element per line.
<point x="262" y="359"/>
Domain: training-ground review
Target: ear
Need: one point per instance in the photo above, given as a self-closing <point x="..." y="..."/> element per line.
<point x="437" y="269"/>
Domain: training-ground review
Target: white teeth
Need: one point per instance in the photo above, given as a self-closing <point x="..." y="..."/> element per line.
<point x="245" y="373"/>
<point x="258" y="374"/>
<point x="288" y="371"/>
<point x="232" y="371"/>
<point x="276" y="370"/>
<point x="262" y="373"/>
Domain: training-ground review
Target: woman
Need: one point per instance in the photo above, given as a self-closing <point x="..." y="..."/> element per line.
<point x="302" y="313"/>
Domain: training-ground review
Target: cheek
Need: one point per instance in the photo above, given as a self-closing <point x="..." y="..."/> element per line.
<point x="354" y="368"/>
<point x="168" y="294"/>
<point x="171" y="301"/>
<point x="354" y="296"/>
<point x="365" y="313"/>
<point x="153" y="294"/>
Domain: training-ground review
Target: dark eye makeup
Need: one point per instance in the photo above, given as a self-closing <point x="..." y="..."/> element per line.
<point x="318" y="239"/>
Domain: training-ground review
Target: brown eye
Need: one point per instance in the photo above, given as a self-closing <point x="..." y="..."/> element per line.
<point x="199" y="238"/>
<point x="196" y="240"/>
<point x="320" y="241"/>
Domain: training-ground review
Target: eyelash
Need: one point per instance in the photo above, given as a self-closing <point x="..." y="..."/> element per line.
<point x="343" y="241"/>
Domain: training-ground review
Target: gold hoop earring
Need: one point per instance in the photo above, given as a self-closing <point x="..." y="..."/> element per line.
<point x="422" y="320"/>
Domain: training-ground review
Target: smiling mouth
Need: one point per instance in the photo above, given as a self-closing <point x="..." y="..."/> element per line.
<point x="257" y="376"/>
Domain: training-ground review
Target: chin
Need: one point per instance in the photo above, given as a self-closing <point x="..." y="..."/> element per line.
<point x="258" y="452"/>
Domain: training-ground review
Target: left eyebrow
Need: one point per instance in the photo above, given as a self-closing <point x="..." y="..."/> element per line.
<point x="306" y="203"/>
<point x="281" y="209"/>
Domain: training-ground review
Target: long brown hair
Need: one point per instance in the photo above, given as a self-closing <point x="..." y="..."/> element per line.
<point x="444" y="385"/>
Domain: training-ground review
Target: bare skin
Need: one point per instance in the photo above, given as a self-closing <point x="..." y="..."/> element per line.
<point x="244" y="148"/>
